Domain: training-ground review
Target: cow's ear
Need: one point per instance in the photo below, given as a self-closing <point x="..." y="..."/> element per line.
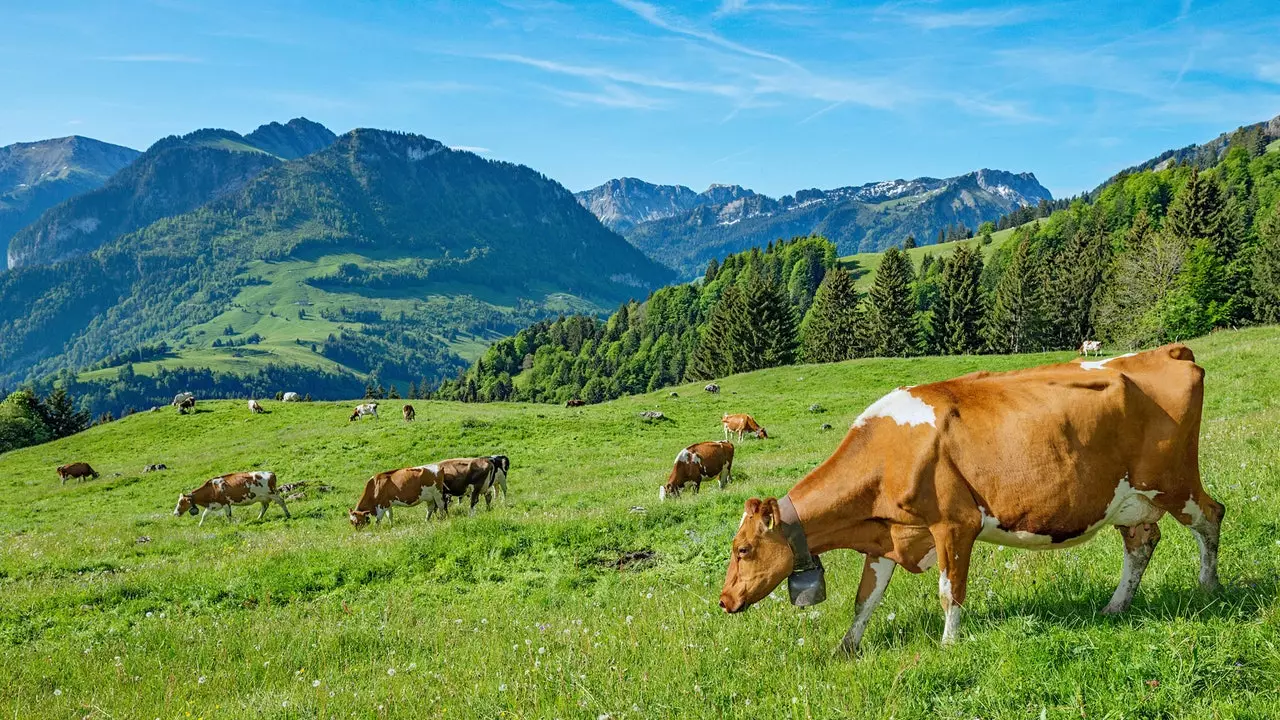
<point x="752" y="506"/>
<point x="770" y="513"/>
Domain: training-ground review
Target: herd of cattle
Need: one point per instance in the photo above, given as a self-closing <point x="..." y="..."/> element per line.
<point x="1042" y="458"/>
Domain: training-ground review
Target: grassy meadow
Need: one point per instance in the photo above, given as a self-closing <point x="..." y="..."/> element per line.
<point x="582" y="597"/>
<point x="864" y="265"/>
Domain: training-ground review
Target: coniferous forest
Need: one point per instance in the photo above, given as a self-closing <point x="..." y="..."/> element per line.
<point x="1153" y="256"/>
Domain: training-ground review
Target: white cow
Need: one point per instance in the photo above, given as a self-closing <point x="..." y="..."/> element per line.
<point x="255" y="407"/>
<point x="291" y="397"/>
<point x="365" y="410"/>
<point x="1091" y="346"/>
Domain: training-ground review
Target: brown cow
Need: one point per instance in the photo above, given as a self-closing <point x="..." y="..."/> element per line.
<point x="187" y="404"/>
<point x="575" y="403"/>
<point x="741" y="423"/>
<point x="409" y="413"/>
<point x="405" y="487"/>
<point x="474" y="475"/>
<point x="1041" y="459"/>
<point x="224" y="491"/>
<point x="697" y="462"/>
<point x="255" y="407"/>
<point x="79" y="471"/>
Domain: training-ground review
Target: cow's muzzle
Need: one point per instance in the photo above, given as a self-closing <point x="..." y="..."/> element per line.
<point x="808" y="586"/>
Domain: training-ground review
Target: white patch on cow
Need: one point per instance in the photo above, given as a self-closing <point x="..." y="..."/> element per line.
<point x="662" y="493"/>
<point x="433" y="468"/>
<point x="944" y="587"/>
<point x="1099" y="364"/>
<point x="951" y="630"/>
<point x="432" y="495"/>
<point x="883" y="569"/>
<point x="929" y="560"/>
<point x="743" y="521"/>
<point x="902" y="407"/>
<point x="686" y="455"/>
<point x="1193" y="510"/>
<point x="1129" y="506"/>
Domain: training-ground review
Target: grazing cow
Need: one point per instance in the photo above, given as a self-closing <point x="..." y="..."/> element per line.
<point x="242" y="488"/>
<point x="365" y="410"/>
<point x="1042" y="458"/>
<point x="712" y="388"/>
<point x="255" y="407"/>
<point x="473" y="475"/>
<point x="742" y="423"/>
<point x="409" y="413"/>
<point x="187" y="405"/>
<point x="696" y="463"/>
<point x="405" y="487"/>
<point x="575" y="403"/>
<point x="1091" y="346"/>
<point x="501" y="466"/>
<point x="291" y="397"/>
<point x="79" y="471"/>
<point x="181" y="398"/>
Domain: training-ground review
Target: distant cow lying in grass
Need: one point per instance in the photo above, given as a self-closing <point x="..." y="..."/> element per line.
<point x="742" y="423"/>
<point x="1040" y="459"/>
<point x="241" y="488"/>
<point x="79" y="471"/>
<point x="364" y="410"/>
<point x="575" y="403"/>
<point x="696" y="463"/>
<point x="405" y="487"/>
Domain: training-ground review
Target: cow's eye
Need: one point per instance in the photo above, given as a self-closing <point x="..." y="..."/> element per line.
<point x="744" y="551"/>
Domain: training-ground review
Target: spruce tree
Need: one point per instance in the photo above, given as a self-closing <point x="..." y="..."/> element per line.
<point x="1074" y="282"/>
<point x="61" y="416"/>
<point x="909" y="243"/>
<point x="1266" y="271"/>
<point x="958" y="319"/>
<point x="1016" y="319"/>
<point x="892" y="323"/>
<point x="833" y="329"/>
<point x="719" y="348"/>
<point x="770" y="326"/>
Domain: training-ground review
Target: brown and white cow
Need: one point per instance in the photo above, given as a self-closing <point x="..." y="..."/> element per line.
<point x="186" y="405"/>
<point x="696" y="463"/>
<point x="1041" y="459"/>
<point x="405" y="487"/>
<point x="501" y="466"/>
<point x="742" y="424"/>
<point x="409" y="413"/>
<point x="1091" y="346"/>
<point x="575" y="403"/>
<point x="364" y="410"/>
<point x="79" y="471"/>
<point x="255" y="407"/>
<point x="224" y="491"/>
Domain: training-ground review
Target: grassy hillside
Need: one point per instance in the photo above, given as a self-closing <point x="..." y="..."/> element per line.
<point x="864" y="265"/>
<point x="112" y="607"/>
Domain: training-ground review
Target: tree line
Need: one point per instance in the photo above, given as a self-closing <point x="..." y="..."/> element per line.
<point x="1153" y="257"/>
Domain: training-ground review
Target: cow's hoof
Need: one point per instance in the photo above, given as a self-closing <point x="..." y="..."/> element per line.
<point x="845" y="651"/>
<point x="1112" y="609"/>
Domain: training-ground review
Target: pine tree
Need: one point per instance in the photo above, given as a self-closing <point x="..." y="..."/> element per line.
<point x="1075" y="279"/>
<point x="1016" y="319"/>
<point x="958" y="319"/>
<point x="893" y="331"/>
<point x="717" y="353"/>
<point x="770" y="326"/>
<point x="61" y="416"/>
<point x="803" y="283"/>
<point x="393" y="393"/>
<point x="713" y="269"/>
<point x="834" y="328"/>
<point x="1266" y="271"/>
<point x="909" y="243"/>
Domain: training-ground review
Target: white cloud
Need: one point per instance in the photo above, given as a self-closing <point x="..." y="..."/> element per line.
<point x="655" y="16"/>
<point x="604" y="73"/>
<point x="1269" y="72"/>
<point x="735" y="7"/>
<point x="971" y="19"/>
<point x="610" y="95"/>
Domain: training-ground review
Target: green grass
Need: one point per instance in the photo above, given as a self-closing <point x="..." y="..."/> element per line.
<point x="1274" y="146"/>
<point x="270" y="308"/>
<point x="865" y="265"/>
<point x="520" y="612"/>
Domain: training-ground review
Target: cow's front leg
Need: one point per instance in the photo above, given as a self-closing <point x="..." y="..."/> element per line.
<point x="475" y="500"/>
<point x="955" y="548"/>
<point x="228" y="511"/>
<point x="1139" y="544"/>
<point x="203" y="515"/>
<point x="280" y="501"/>
<point x="876" y="573"/>
<point x="263" y="512"/>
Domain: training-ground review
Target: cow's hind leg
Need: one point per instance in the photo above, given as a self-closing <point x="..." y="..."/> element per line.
<point x="724" y="475"/>
<point x="876" y="573"/>
<point x="1205" y="515"/>
<point x="263" y="512"/>
<point x="1139" y="544"/>
<point x="280" y="501"/>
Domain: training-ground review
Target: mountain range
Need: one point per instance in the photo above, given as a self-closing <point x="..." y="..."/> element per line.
<point x="35" y="176"/>
<point x="379" y="253"/>
<point x="173" y="176"/>
<point x="684" y="229"/>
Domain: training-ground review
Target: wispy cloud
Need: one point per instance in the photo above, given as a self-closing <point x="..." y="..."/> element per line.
<point x="661" y="19"/>
<point x="604" y="73"/>
<point x="471" y="148"/>
<point x="610" y="95"/>
<point x="975" y="18"/>
<point x="1269" y="72"/>
<point x="152" y="58"/>
<point x="737" y="7"/>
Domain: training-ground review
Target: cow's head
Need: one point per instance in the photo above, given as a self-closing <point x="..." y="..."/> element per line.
<point x="761" y="434"/>
<point x="358" y="518"/>
<point x="761" y="556"/>
<point x="186" y="504"/>
<point x="668" y="490"/>
<point x="355" y="415"/>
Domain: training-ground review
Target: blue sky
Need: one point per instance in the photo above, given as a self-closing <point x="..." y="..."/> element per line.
<point x="776" y="95"/>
